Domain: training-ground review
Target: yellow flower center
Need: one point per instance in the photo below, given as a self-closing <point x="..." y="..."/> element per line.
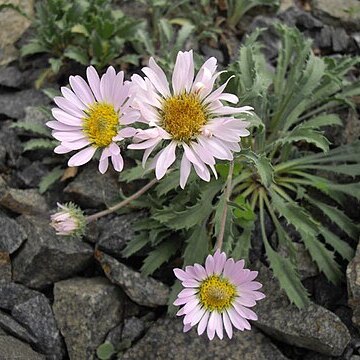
<point x="183" y="116"/>
<point x="216" y="293"/>
<point x="101" y="124"/>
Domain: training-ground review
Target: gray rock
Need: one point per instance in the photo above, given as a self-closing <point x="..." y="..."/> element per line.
<point x="13" y="294"/>
<point x="114" y="234"/>
<point x="13" y="328"/>
<point x="294" y="16"/>
<point x="313" y="327"/>
<point x="20" y="201"/>
<point x="13" y="25"/>
<point x="37" y="316"/>
<point x="32" y="174"/>
<point x="10" y="76"/>
<point x="5" y="267"/>
<point x="12" y="235"/>
<point x="114" y="336"/>
<point x="209" y="51"/>
<point x="90" y="189"/>
<point x="34" y="115"/>
<point x="306" y="266"/>
<point x="45" y="257"/>
<point x="335" y="12"/>
<point x="14" y="349"/>
<point x="10" y="147"/>
<point x="353" y="286"/>
<point x="13" y="104"/>
<point x="143" y="290"/>
<point x="86" y="309"/>
<point x="133" y="329"/>
<point x="166" y="340"/>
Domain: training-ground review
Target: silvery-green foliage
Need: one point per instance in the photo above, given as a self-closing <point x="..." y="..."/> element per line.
<point x="282" y="173"/>
<point x="86" y="31"/>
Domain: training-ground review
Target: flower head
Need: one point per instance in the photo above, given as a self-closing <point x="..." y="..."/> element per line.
<point x="68" y="221"/>
<point x="217" y="296"/>
<point x="191" y="117"/>
<point x="93" y="116"/>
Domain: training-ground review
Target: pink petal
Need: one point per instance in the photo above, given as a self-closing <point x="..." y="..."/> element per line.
<point x="81" y="89"/>
<point x="203" y="323"/>
<point x="68" y="107"/>
<point x="181" y="274"/>
<point x="66" y="118"/>
<point x="166" y="159"/>
<point x="245" y="312"/>
<point x="94" y="82"/>
<point x="82" y="157"/>
<point x="227" y="324"/>
<point x="69" y="95"/>
<point x="209" y="265"/>
<point x="103" y="165"/>
<point x="117" y="162"/>
<point x="185" y="168"/>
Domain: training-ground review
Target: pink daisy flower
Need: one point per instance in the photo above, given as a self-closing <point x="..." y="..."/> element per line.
<point x="93" y="116"/>
<point x="68" y="221"/>
<point x="218" y="296"/>
<point x="190" y="117"/>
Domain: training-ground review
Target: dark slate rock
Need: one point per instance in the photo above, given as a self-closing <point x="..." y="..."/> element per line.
<point x="313" y="327"/>
<point x="114" y="234"/>
<point x="45" y="257"/>
<point x="5" y="267"/>
<point x="13" y="294"/>
<point x="13" y="104"/>
<point x="300" y="18"/>
<point x="143" y="290"/>
<point x="335" y="12"/>
<point x="166" y="340"/>
<point x="11" y="76"/>
<point x="14" y="349"/>
<point x="32" y="174"/>
<point x="85" y="310"/>
<point x="20" y="201"/>
<point x="114" y="336"/>
<point x="209" y="51"/>
<point x="12" y="235"/>
<point x="340" y="40"/>
<point x="353" y="286"/>
<point x="12" y="327"/>
<point x="37" y="316"/>
<point x="10" y="145"/>
<point x="90" y="189"/>
<point x="133" y="329"/>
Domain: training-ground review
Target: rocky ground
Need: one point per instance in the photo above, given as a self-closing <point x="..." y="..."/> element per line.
<point x="62" y="298"/>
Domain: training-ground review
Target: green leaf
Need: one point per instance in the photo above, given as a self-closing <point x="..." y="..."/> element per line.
<point x="55" y="65"/>
<point x="77" y="54"/>
<point x="338" y="217"/>
<point x="168" y="183"/>
<point x="263" y="167"/>
<point x="182" y="36"/>
<point x="135" y="173"/>
<point x="191" y="215"/>
<point x="288" y="277"/>
<point x="36" y="144"/>
<point x="340" y="246"/>
<point x="243" y="242"/>
<point x="105" y="351"/>
<point x="135" y="244"/>
<point x="197" y="245"/>
<point x="307" y="135"/>
<point x="80" y="29"/>
<point x="32" y="48"/>
<point x="322" y="120"/>
<point x="32" y="127"/>
<point x="49" y="179"/>
<point x="158" y="256"/>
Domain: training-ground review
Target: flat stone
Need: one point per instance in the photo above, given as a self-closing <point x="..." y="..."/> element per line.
<point x="313" y="327"/>
<point x="143" y="290"/>
<point x="90" y="189"/>
<point x="294" y="16"/>
<point x="13" y="25"/>
<point x="335" y="12"/>
<point x="114" y="234"/>
<point x="353" y="286"/>
<point x="45" y="257"/>
<point x="37" y="316"/>
<point x="12" y="327"/>
<point x="86" y="310"/>
<point x="10" y="76"/>
<point x="35" y="115"/>
<point x="166" y="340"/>
<point x="13" y="294"/>
<point x="13" y="104"/>
<point x="14" y="349"/>
<point x="12" y="235"/>
<point x="5" y="267"/>
<point x="32" y="174"/>
<point x="20" y="201"/>
<point x="133" y="329"/>
<point x="11" y="147"/>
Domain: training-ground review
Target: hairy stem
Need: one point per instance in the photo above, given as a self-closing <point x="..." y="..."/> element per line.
<point x="220" y="238"/>
<point x="122" y="203"/>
